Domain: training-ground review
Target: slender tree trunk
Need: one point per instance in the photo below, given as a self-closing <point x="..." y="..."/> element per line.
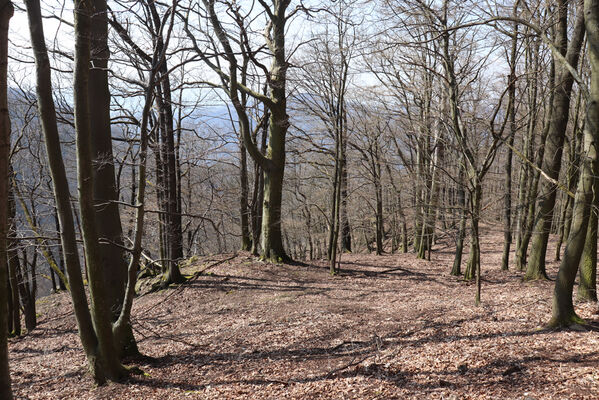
<point x="527" y="221"/>
<point x="172" y="212"/>
<point x="13" y="266"/>
<point x="345" y="226"/>
<point x="430" y="217"/>
<point x="6" y="12"/>
<point x="379" y="219"/>
<point x="456" y="270"/>
<point x="337" y="188"/>
<point x="531" y="62"/>
<point x="475" y="250"/>
<point x="27" y="295"/>
<point x="246" y="241"/>
<point x="61" y="189"/>
<point x="507" y="205"/>
<point x="474" y="257"/>
<point x="258" y="190"/>
<point x="61" y="283"/>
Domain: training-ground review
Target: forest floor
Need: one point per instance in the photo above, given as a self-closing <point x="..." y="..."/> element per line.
<point x="387" y="327"/>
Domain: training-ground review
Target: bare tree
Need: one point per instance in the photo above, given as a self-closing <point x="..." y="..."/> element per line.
<point x="273" y="163"/>
<point x="563" y="314"/>
<point x="559" y="112"/>
<point x="6" y="12"/>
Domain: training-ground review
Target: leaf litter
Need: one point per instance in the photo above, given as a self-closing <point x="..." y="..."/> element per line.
<point x="386" y="327"/>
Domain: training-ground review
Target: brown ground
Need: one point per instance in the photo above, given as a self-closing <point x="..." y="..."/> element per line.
<point x="387" y="327"/>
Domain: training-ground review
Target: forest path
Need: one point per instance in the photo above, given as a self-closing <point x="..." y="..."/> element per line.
<point x="387" y="327"/>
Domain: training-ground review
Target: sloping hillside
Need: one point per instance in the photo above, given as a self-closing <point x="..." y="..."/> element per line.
<point x="386" y="327"/>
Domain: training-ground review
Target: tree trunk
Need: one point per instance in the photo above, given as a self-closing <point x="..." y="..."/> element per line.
<point x="108" y="219"/>
<point x="272" y="243"/>
<point x="27" y="293"/>
<point x="473" y="266"/>
<point x="272" y="240"/>
<point x="100" y="306"/>
<point x="507" y="205"/>
<point x="13" y="266"/>
<point x="60" y="185"/>
<point x="572" y="176"/>
<point x="246" y="241"/>
<point x="587" y="285"/>
<point x="345" y="226"/>
<point x="61" y="283"/>
<point x="170" y="168"/>
<point x="474" y="256"/>
<point x="563" y="307"/>
<point x="6" y="12"/>
<point x="456" y="269"/>
<point x="554" y="144"/>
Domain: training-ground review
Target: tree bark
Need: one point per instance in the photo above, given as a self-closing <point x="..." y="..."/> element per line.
<point x="554" y="144"/>
<point x="6" y="12"/>
<point x="563" y="308"/>
<point x="104" y="191"/>
<point x="345" y="225"/>
<point x="244" y="213"/>
<point x="108" y="219"/>
<point x="587" y="284"/>
<point x="507" y="205"/>
<point x="100" y="308"/>
<point x="273" y="163"/>
<point x="13" y="266"/>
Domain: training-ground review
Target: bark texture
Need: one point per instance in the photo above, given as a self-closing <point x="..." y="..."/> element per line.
<point x="6" y="12"/>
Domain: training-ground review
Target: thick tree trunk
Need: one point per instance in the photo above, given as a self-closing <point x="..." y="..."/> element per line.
<point x="572" y="176"/>
<point x="272" y="240"/>
<point x="108" y="219"/>
<point x="6" y="12"/>
<point x="554" y="144"/>
<point x="100" y="305"/>
<point x="105" y="195"/>
<point x="61" y="189"/>
<point x="563" y="307"/>
<point x="587" y="285"/>
<point x="272" y="243"/>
